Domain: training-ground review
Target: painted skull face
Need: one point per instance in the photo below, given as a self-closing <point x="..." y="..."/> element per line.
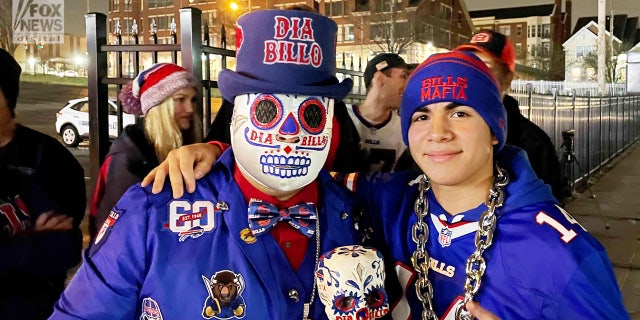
<point x="281" y="141"/>
<point x="350" y="282"/>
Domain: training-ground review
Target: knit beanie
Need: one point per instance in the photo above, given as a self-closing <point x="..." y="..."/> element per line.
<point x="459" y="77"/>
<point x="154" y="85"/>
<point x="9" y="79"/>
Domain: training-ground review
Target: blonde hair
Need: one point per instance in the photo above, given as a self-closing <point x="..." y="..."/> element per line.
<point x="161" y="129"/>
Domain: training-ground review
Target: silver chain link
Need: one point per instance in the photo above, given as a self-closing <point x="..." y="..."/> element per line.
<point x="476" y="264"/>
<point x="420" y="258"/>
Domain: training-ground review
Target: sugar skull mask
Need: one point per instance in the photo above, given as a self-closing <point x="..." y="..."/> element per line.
<point x="281" y="141"/>
<point x="350" y="282"/>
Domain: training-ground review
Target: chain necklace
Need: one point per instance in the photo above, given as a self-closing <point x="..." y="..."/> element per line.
<point x="307" y="306"/>
<point x="476" y="264"/>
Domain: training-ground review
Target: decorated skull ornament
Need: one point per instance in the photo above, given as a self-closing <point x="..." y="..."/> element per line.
<point x="280" y="140"/>
<point x="350" y="282"/>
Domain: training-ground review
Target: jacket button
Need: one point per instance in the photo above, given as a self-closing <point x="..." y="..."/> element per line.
<point x="293" y="295"/>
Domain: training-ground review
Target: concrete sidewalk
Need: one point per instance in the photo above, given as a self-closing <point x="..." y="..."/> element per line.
<point x="616" y="204"/>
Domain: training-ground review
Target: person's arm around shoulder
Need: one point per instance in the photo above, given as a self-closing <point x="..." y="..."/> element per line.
<point x="184" y="166"/>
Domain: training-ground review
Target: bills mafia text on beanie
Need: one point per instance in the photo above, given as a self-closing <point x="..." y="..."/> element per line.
<point x="382" y="62"/>
<point x="9" y="79"/>
<point x="284" y="51"/>
<point x="494" y="44"/>
<point x="154" y="85"/>
<point x="458" y="77"/>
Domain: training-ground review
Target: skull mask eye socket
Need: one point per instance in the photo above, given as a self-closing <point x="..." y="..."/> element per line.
<point x="345" y="304"/>
<point x="375" y="299"/>
<point x="313" y="115"/>
<point x="266" y="112"/>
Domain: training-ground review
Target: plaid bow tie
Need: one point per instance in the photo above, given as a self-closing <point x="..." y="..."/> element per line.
<point x="263" y="216"/>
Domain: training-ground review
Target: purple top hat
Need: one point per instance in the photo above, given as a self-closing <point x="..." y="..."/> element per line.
<point x="284" y="51"/>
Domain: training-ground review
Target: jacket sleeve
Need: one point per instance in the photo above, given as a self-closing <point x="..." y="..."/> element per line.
<point x="30" y="252"/>
<point x="592" y="281"/>
<point x="47" y="253"/>
<point x="58" y="167"/>
<point x="107" y="284"/>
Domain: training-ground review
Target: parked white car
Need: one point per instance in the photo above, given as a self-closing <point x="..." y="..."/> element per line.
<point x="72" y="121"/>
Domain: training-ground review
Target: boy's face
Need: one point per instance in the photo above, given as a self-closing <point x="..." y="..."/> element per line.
<point x="281" y="141"/>
<point x="452" y="144"/>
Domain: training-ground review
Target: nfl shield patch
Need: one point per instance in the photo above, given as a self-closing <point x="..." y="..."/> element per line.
<point x="444" y="237"/>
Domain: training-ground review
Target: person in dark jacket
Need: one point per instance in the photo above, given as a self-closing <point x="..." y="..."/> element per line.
<point x="40" y="237"/>
<point x="165" y="95"/>
<point x="498" y="53"/>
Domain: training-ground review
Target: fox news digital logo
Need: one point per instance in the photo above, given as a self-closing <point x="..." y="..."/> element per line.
<point x="39" y="21"/>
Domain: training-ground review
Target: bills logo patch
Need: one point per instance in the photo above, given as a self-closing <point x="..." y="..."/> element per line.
<point x="445" y="237"/>
<point x="107" y="225"/>
<point x="190" y="220"/>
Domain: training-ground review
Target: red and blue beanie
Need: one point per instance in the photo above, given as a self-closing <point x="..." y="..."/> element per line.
<point x="458" y="77"/>
<point x="154" y="85"/>
<point x="284" y="51"/>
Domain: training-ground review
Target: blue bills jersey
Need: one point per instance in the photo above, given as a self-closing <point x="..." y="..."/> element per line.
<point x="542" y="263"/>
<point x="196" y="258"/>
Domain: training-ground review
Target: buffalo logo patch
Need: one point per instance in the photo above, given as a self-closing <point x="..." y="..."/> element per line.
<point x="225" y="299"/>
<point x="247" y="236"/>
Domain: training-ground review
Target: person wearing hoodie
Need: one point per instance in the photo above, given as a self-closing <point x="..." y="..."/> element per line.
<point x="164" y="95"/>
<point x="476" y="224"/>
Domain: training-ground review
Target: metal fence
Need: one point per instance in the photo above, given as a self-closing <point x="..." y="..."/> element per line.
<point x="604" y="126"/>
<point x="566" y="88"/>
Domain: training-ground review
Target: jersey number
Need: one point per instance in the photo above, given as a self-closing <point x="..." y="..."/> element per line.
<point x="567" y="234"/>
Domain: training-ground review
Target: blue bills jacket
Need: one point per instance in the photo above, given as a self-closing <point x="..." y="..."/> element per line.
<point x="195" y="258"/>
<point x="542" y="263"/>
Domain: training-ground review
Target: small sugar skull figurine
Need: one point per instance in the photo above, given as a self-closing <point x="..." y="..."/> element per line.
<point x="350" y="282"/>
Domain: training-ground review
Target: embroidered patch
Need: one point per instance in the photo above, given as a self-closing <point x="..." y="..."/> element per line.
<point x="150" y="310"/>
<point x="107" y="225"/>
<point x="190" y="219"/>
<point x="105" y="230"/>
<point x="225" y="299"/>
<point x="444" y="237"/>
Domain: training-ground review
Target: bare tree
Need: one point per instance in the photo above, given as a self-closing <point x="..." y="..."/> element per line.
<point x="388" y="31"/>
<point x="611" y="62"/>
<point x="6" y="27"/>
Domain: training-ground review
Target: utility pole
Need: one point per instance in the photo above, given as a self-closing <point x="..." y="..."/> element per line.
<point x="602" y="86"/>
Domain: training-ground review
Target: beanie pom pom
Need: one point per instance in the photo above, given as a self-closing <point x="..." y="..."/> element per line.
<point x="130" y="103"/>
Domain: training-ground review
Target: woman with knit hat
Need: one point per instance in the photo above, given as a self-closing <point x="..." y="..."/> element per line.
<point x="476" y="224"/>
<point x="164" y="96"/>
